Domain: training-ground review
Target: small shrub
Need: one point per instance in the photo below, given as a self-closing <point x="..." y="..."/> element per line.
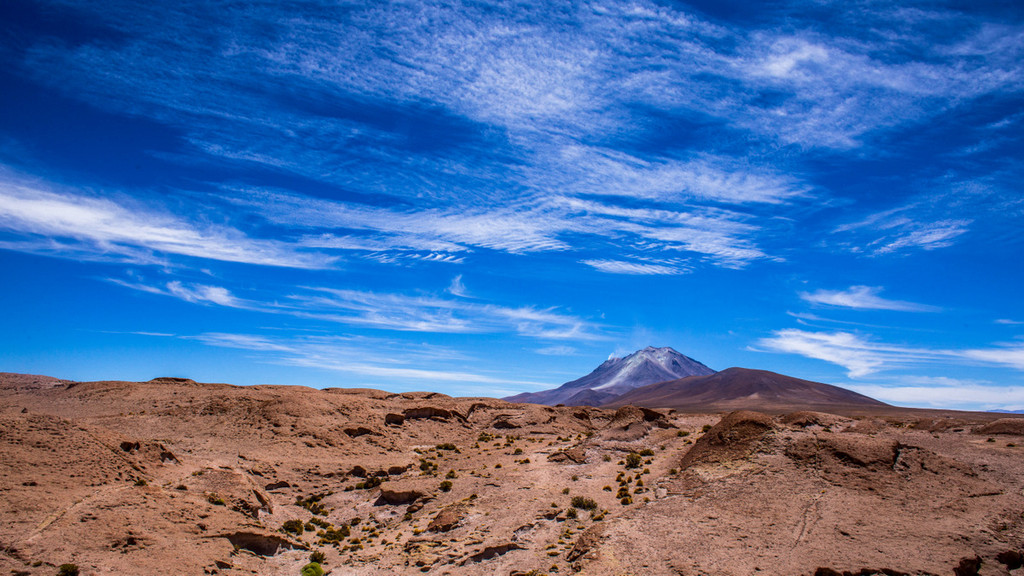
<point x="215" y="500"/>
<point x="571" y="513"/>
<point x="517" y="452"/>
<point x="312" y="569"/>
<point x="67" y="570"/>
<point x="447" y="446"/>
<point x="446" y="486"/>
<point x="673" y="471"/>
<point x="565" y="490"/>
<point x="633" y="460"/>
<point x="626" y="501"/>
<point x="607" y="488"/>
<point x="584" y="503"/>
<point x="606" y="458"/>
<point x="451" y="474"/>
<point x="293" y="526"/>
<point x="318" y="557"/>
<point x="682" y="433"/>
<point x="141" y="482"/>
<point x="575" y="478"/>
<point x="705" y="428"/>
<point x="647" y="452"/>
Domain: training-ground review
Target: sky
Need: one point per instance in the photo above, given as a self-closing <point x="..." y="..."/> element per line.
<point x="486" y="198"/>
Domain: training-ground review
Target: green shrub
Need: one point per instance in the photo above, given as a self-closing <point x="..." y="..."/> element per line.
<point x="312" y="569"/>
<point x="571" y="513"/>
<point x="705" y="428"/>
<point x="633" y="460"/>
<point x="67" y="570"/>
<point x="584" y="503"/>
<point x="565" y="490"/>
<point x="451" y="474"/>
<point x="447" y="446"/>
<point x="446" y="486"/>
<point x="682" y="433"/>
<point x="647" y="452"/>
<point x="293" y="526"/>
<point x="318" y="557"/>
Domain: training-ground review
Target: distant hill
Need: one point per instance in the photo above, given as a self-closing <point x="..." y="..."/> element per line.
<point x="742" y="388"/>
<point x="617" y="376"/>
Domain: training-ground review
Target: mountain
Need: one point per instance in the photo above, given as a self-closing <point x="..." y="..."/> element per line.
<point x="616" y="376"/>
<point x="742" y="388"/>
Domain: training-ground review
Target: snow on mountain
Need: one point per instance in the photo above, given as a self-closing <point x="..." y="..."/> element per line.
<point x="617" y="376"/>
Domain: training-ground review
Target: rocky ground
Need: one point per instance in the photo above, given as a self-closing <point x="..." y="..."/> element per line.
<point x="174" y="477"/>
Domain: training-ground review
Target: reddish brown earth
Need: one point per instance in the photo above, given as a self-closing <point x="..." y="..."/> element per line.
<point x="745" y="389"/>
<point x="174" y="477"/>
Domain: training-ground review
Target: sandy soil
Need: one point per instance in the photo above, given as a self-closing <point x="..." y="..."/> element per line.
<point x="174" y="477"/>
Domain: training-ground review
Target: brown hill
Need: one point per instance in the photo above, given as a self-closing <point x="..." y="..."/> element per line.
<point x="745" y="389"/>
<point x="177" y="477"/>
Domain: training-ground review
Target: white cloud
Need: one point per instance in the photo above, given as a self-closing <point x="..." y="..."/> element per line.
<point x="858" y="355"/>
<point x="898" y="230"/>
<point x="1008" y="322"/>
<point x="635" y="268"/>
<point x="100" y="226"/>
<point x="861" y="356"/>
<point x="950" y="395"/>
<point x="393" y="311"/>
<point x="194" y="293"/>
<point x="457" y="288"/>
<point x="862" y="298"/>
<point x="1011" y="355"/>
<point x="356" y="356"/>
<point x="556" y="351"/>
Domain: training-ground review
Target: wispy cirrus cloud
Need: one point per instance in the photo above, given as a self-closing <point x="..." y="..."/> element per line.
<point x="391" y="360"/>
<point x="903" y="229"/>
<point x="862" y="355"/>
<point x="392" y="311"/>
<point x="191" y="292"/>
<point x="74" y="225"/>
<point x="426" y="313"/>
<point x="863" y="298"/>
<point x="636" y="268"/>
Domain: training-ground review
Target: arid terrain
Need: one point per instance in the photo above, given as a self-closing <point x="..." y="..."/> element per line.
<point x="175" y="477"/>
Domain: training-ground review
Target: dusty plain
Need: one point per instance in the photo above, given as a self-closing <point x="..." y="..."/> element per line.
<point x="174" y="477"/>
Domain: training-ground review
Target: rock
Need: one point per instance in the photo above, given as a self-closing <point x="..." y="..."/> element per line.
<point x="394" y="419"/>
<point x="968" y="567"/>
<point x="1012" y="426"/>
<point x="448" y="518"/>
<point x="492" y="551"/>
<point x="1012" y="559"/>
<point x="405" y="492"/>
<point x="574" y="455"/>
<point x="260" y="543"/>
<point x="431" y="412"/>
<point x="735" y="436"/>
<point x="805" y="418"/>
<point x="359" y="431"/>
<point x="586" y="544"/>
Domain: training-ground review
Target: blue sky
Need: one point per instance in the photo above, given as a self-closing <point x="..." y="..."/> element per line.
<point x="487" y="198"/>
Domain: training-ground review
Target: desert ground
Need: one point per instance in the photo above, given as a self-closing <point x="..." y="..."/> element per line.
<point x="174" y="477"/>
